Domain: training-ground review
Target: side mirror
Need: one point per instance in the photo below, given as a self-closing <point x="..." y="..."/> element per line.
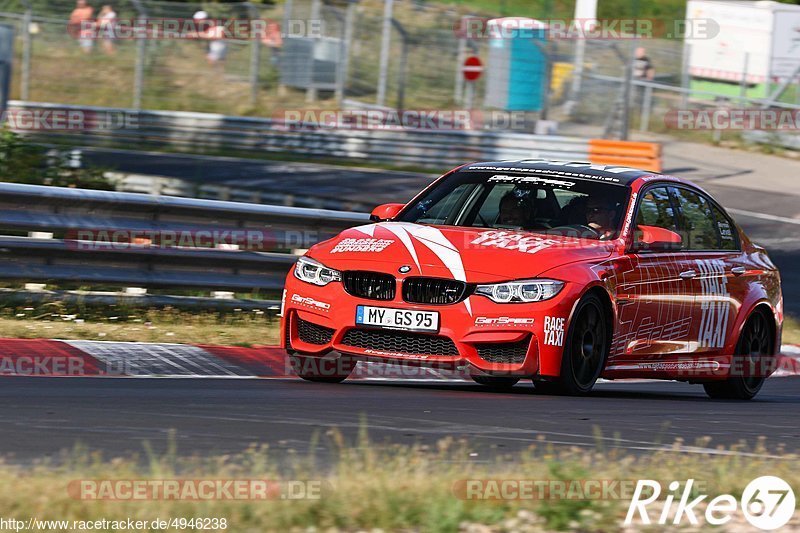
<point x="656" y="239"/>
<point x="385" y="212"/>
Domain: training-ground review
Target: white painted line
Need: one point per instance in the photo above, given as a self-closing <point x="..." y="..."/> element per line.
<point x="765" y="216"/>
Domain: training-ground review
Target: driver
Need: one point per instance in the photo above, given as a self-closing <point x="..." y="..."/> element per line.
<point x="516" y="208"/>
<point x="601" y="215"/>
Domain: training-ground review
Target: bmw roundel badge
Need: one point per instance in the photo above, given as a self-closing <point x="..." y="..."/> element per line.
<point x="405" y="269"/>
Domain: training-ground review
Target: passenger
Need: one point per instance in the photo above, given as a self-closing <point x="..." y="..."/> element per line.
<point x="516" y="209"/>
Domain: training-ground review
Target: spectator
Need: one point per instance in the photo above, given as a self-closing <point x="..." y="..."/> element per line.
<point x="642" y="66"/>
<point x="215" y="35"/>
<point x="81" y="25"/>
<point x="106" y="22"/>
<point x="272" y="36"/>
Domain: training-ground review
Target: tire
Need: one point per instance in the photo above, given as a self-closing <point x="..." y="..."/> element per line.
<point x="495" y="382"/>
<point x="322" y="370"/>
<point x="755" y="341"/>
<point x="585" y="350"/>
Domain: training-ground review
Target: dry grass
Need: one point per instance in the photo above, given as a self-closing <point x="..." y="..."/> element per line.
<point x="791" y="330"/>
<point x="409" y="488"/>
<point x="243" y="328"/>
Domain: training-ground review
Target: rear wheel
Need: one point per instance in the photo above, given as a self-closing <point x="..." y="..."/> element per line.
<point x="495" y="382"/>
<point x="755" y="342"/>
<point x="585" y="350"/>
<point x="322" y="370"/>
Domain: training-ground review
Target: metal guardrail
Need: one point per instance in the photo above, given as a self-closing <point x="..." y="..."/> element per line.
<point x="65" y="256"/>
<point x="405" y="147"/>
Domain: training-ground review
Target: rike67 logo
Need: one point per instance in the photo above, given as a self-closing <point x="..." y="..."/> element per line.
<point x="767" y="503"/>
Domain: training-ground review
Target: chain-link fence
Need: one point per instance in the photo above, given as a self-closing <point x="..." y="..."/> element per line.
<point x="330" y="56"/>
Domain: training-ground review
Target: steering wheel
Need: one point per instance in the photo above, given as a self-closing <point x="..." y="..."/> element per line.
<point x="580" y="227"/>
<point x="593" y="230"/>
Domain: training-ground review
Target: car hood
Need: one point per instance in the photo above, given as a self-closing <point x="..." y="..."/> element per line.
<point x="466" y="254"/>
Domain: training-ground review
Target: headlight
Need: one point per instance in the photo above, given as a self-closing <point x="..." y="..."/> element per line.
<point x="527" y="290"/>
<point x="312" y="271"/>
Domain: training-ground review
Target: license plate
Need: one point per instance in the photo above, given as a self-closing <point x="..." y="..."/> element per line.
<point x="407" y="319"/>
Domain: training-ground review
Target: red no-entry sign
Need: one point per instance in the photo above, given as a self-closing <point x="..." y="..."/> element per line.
<point x="472" y="68"/>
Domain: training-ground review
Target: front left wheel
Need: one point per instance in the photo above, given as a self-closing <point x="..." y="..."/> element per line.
<point x="585" y="350"/>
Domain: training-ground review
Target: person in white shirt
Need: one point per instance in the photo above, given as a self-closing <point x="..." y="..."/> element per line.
<point x="106" y="20"/>
<point x="215" y="35"/>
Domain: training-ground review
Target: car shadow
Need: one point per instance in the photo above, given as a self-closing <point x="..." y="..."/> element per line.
<point x="635" y="390"/>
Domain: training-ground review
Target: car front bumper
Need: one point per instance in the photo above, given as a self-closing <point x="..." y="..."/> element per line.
<point x="519" y="339"/>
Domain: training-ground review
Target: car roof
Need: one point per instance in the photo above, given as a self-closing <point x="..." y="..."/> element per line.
<point x="616" y="174"/>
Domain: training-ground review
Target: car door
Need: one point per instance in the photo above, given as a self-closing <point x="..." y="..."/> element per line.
<point x="714" y="250"/>
<point x="653" y="300"/>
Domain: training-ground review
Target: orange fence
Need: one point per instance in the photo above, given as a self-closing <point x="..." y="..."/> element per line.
<point x="646" y="156"/>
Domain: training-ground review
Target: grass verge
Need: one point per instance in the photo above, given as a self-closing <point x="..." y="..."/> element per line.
<point x="235" y="328"/>
<point x="791" y="330"/>
<point x="410" y="488"/>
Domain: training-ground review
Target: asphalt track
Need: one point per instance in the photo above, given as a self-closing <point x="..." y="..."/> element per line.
<point x="42" y="416"/>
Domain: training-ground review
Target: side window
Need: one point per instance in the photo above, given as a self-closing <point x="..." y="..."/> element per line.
<point x="655" y="209"/>
<point x="725" y="229"/>
<point x="697" y="221"/>
<point x="438" y="212"/>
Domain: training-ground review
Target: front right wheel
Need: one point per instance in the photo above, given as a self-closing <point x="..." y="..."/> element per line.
<point x="585" y="350"/>
<point x="755" y="342"/>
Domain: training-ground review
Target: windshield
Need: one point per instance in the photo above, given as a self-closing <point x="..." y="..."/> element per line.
<point x="523" y="201"/>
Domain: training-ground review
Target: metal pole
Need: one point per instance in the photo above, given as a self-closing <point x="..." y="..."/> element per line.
<point x="647" y="104"/>
<point x="138" y="75"/>
<point x="626" y="98"/>
<point x="311" y="92"/>
<point x="687" y="48"/>
<point x="344" y="61"/>
<point x="626" y="106"/>
<point x="383" y="69"/>
<point x="458" y="91"/>
<point x="287" y="18"/>
<point x="26" y="52"/>
<point x="401" y="71"/>
<point x="255" y="57"/>
<point x="470" y="95"/>
<point x="743" y="81"/>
